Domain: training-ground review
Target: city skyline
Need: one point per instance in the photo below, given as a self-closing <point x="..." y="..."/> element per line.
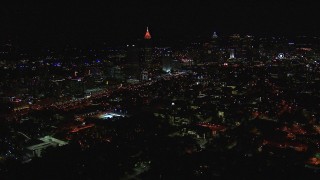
<point x="113" y="20"/>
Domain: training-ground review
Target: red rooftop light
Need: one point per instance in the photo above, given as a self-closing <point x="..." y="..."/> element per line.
<point x="147" y="35"/>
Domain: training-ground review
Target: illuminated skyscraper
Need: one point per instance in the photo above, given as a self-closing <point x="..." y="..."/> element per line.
<point x="232" y="54"/>
<point x="147" y="50"/>
<point x="166" y="59"/>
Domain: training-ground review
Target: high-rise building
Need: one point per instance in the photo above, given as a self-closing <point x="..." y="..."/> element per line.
<point x="147" y="50"/>
<point x="132" y="68"/>
<point x="234" y="45"/>
<point x="211" y="49"/>
<point x="166" y="59"/>
<point x="215" y="48"/>
<point x="231" y="54"/>
<point x="247" y="51"/>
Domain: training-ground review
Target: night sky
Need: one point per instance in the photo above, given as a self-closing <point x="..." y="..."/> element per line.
<point x="120" y="20"/>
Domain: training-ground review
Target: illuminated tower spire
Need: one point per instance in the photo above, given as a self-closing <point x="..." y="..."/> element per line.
<point x="147" y="35"/>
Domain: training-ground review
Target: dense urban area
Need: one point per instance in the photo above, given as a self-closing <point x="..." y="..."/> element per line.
<point x="227" y="106"/>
